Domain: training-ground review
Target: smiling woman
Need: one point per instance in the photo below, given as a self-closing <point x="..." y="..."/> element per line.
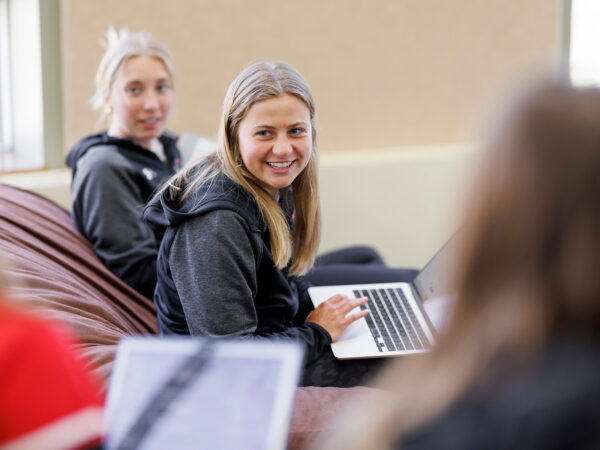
<point x="242" y="226"/>
<point x="115" y="172"/>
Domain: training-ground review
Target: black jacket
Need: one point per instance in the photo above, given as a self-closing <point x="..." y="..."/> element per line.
<point x="216" y="275"/>
<point x="112" y="181"/>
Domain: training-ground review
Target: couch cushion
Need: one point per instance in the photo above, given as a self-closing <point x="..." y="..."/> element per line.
<point x="58" y="273"/>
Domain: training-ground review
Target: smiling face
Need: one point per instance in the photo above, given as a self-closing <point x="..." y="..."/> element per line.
<point x="140" y="100"/>
<point x="275" y="141"/>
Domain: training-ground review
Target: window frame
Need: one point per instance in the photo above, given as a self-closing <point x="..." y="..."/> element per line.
<point x="5" y="91"/>
<point x="33" y="117"/>
<point x="583" y="64"/>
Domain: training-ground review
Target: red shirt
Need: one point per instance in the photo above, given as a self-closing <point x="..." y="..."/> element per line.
<point x="48" y="398"/>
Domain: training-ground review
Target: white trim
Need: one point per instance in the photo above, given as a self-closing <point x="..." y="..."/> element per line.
<point x="68" y="432"/>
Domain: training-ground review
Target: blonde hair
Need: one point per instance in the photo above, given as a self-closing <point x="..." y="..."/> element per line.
<point x="526" y="271"/>
<point x="261" y="81"/>
<point x="120" y="47"/>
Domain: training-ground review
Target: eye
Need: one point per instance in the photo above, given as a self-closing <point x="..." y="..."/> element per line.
<point x="298" y="131"/>
<point x="162" y="87"/>
<point x="263" y="133"/>
<point x="133" y="90"/>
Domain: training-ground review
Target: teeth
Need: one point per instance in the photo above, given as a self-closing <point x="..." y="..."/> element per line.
<point x="280" y="165"/>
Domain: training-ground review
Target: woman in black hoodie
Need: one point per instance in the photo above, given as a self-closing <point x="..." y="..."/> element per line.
<point x="116" y="172"/>
<point x="242" y="227"/>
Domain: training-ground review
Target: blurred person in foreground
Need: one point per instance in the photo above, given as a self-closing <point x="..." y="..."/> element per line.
<point x="48" y="398"/>
<point x="520" y="364"/>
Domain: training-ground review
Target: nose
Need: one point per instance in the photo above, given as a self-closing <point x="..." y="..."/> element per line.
<point x="282" y="147"/>
<point x="150" y="101"/>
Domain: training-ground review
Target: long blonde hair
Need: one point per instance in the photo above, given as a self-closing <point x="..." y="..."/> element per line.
<point x="258" y="82"/>
<point x="526" y="271"/>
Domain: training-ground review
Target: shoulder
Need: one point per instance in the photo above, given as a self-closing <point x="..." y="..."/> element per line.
<point x="104" y="156"/>
<point x="38" y="342"/>
<point x="27" y="332"/>
<point x="213" y="234"/>
<point x="216" y="223"/>
<point x="222" y="194"/>
<point x="102" y="167"/>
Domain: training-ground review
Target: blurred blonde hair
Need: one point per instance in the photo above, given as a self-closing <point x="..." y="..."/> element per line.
<point x="526" y="271"/>
<point x="121" y="46"/>
<point x="258" y="82"/>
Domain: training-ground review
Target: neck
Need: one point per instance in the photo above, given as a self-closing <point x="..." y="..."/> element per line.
<point x="144" y="143"/>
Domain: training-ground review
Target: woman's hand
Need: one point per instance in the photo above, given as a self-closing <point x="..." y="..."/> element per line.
<point x="333" y="315"/>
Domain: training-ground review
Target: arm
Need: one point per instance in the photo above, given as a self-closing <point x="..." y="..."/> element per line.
<point x="107" y="209"/>
<point x="213" y="261"/>
<point x="305" y="303"/>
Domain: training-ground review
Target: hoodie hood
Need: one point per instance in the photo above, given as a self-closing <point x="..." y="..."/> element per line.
<point x="167" y="139"/>
<point x="82" y="146"/>
<point x="220" y="193"/>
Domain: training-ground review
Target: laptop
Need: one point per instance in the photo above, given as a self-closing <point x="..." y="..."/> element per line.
<point x="403" y="318"/>
<point x="174" y="392"/>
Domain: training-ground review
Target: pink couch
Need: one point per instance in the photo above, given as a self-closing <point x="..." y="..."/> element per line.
<point x="60" y="276"/>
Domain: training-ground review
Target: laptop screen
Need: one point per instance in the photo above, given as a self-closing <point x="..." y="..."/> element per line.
<point x="240" y="397"/>
<point x="433" y="280"/>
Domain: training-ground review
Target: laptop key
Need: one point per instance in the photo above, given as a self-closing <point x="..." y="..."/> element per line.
<point x="381" y="318"/>
<point x="388" y="319"/>
<point x="392" y="321"/>
<point x="397" y="320"/>
<point x="374" y="331"/>
<point x="374" y="315"/>
<point x="414" y="321"/>
<point x="401" y="311"/>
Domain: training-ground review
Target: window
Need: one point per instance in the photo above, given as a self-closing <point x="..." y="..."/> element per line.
<point x="584" y="58"/>
<point x="29" y="127"/>
<point x="5" y="105"/>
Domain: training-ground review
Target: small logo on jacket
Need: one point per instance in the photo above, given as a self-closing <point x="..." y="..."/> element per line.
<point x="149" y="173"/>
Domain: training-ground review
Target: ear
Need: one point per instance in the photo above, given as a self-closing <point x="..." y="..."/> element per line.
<point x="107" y="106"/>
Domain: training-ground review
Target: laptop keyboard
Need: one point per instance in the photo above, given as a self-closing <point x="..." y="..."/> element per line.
<point x="392" y="321"/>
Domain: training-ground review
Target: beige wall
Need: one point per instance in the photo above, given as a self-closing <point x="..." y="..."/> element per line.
<point x="385" y="73"/>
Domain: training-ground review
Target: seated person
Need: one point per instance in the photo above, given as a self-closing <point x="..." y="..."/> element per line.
<point x="116" y="172"/>
<point x="244" y="223"/>
<point x="520" y="364"/>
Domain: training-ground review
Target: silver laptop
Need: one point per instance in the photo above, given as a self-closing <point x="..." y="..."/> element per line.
<point x="398" y="322"/>
<point x="185" y="393"/>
